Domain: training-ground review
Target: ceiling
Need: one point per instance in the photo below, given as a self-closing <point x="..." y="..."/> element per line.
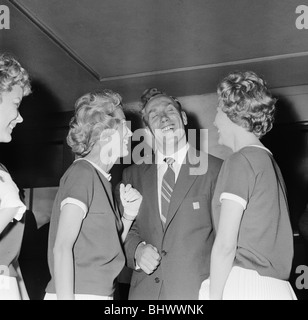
<point x="181" y="46"/>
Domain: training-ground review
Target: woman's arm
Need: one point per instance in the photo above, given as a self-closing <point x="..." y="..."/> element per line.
<point x="69" y="227"/>
<point x="224" y="248"/>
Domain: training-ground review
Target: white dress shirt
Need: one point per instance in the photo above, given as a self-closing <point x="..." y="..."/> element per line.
<point x="162" y="167"/>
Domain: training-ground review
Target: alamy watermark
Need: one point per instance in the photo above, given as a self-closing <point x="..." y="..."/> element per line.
<point x="302" y="280"/>
<point x="144" y="151"/>
<point x="4" y="17"/>
<point x="301" y="21"/>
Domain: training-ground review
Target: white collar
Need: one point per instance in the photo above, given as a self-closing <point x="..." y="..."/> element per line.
<point x="178" y="156"/>
<point x="103" y="172"/>
<point x="261" y="147"/>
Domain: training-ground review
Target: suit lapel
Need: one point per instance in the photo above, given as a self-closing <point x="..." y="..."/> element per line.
<point x="150" y="186"/>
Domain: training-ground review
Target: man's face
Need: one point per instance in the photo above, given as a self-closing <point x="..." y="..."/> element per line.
<point x="166" y="123"/>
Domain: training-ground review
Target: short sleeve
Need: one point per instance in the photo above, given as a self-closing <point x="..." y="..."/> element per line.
<point x="237" y="179"/>
<point x="77" y="187"/>
<point x="21" y="210"/>
<point x="9" y="194"/>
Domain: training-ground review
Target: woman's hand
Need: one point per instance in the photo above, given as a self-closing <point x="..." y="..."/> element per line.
<point x="131" y="200"/>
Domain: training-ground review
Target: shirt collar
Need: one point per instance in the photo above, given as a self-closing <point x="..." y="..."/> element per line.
<point x="261" y="147"/>
<point x="178" y="156"/>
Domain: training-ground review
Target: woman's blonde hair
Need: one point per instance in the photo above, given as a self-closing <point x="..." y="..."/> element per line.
<point x="247" y="101"/>
<point x="11" y="74"/>
<point x="94" y="113"/>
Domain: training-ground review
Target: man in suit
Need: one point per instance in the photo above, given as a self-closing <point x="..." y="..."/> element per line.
<point x="169" y="244"/>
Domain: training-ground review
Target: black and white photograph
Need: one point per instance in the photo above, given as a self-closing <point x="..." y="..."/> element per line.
<point x="154" y="151"/>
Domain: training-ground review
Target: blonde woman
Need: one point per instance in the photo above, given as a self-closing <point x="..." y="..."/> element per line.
<point x="14" y="85"/>
<point x="86" y="231"/>
<point x="253" y="249"/>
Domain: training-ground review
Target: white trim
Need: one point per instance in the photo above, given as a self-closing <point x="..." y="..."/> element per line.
<point x="76" y="202"/>
<point x="21" y="210"/>
<point x="233" y="197"/>
<point x="163" y="219"/>
<point x="261" y="147"/>
<point x="165" y="197"/>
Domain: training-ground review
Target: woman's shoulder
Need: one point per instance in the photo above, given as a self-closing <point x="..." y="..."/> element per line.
<point x="252" y="159"/>
<point x="238" y="162"/>
<point x="79" y="169"/>
<point x="237" y="156"/>
<point x="81" y="164"/>
<point x="257" y="156"/>
<point x="251" y="153"/>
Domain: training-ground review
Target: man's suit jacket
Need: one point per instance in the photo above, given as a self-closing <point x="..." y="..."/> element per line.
<point x="186" y="241"/>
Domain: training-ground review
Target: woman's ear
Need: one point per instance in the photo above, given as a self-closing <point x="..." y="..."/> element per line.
<point x="106" y="134"/>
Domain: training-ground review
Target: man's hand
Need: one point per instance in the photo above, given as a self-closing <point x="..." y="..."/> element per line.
<point x="147" y="258"/>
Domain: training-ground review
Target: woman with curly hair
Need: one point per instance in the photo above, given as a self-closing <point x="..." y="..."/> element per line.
<point x="14" y="85"/>
<point x="253" y="249"/>
<point x="86" y="230"/>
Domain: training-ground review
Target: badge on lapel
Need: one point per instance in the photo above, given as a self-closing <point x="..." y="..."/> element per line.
<point x="196" y="205"/>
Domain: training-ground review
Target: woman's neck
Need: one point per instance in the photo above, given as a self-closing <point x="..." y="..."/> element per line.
<point x="101" y="159"/>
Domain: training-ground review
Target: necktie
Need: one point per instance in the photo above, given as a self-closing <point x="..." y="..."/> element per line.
<point x="167" y="187"/>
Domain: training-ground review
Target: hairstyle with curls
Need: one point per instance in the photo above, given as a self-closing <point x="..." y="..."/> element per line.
<point x="247" y="101"/>
<point x="94" y="113"/>
<point x="11" y="74"/>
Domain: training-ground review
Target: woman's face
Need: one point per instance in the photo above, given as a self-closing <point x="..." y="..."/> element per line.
<point x="118" y="140"/>
<point x="225" y="128"/>
<point x="124" y="133"/>
<point x="9" y="114"/>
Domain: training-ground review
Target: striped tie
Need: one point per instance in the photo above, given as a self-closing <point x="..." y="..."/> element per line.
<point x="167" y="189"/>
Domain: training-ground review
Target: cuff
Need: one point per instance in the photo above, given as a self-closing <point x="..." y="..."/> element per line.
<point x="21" y="210"/>
<point x="136" y="264"/>
<point x="233" y="197"/>
<point x="77" y="203"/>
<point x="128" y="216"/>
